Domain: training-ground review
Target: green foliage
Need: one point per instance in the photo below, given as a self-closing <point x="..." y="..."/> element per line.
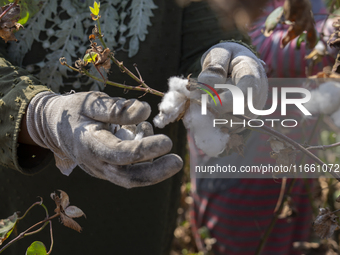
<point x="7" y="226"/>
<point x="28" y="8"/>
<point x="302" y="38"/>
<point x="36" y="248"/>
<point x="90" y="57"/>
<point x="95" y="9"/>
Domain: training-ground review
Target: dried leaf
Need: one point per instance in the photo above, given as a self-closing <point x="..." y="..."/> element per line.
<point x="289" y="210"/>
<point x="67" y="212"/>
<point x="325" y="247"/>
<point x="334" y="39"/>
<point x="276" y="144"/>
<point x="98" y="55"/>
<point x="235" y="143"/>
<point x="7" y="226"/>
<point x="74" y="212"/>
<point x="68" y="222"/>
<point x="300" y="13"/>
<point x="272" y="21"/>
<point x="64" y="199"/>
<point x="327" y="73"/>
<point x="283" y="153"/>
<point x="8" y="23"/>
<point x="104" y="60"/>
<point x="326" y="223"/>
<point x="315" y="55"/>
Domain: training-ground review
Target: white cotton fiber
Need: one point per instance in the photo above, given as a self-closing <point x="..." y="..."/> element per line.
<point x="336" y="117"/>
<point x="211" y="140"/>
<point x="173" y="102"/>
<point x="208" y="138"/>
<point x="325" y="99"/>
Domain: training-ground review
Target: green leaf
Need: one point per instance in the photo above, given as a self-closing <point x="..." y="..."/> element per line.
<point x="95" y="9"/>
<point x="272" y="20"/>
<point x="7" y="226"/>
<point x="302" y="38"/>
<point x="36" y="248"/>
<point x="23" y="20"/>
<point x="90" y="57"/>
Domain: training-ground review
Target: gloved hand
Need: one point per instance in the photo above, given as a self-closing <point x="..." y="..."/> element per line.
<point x="78" y="129"/>
<point x="246" y="70"/>
<point x="218" y="62"/>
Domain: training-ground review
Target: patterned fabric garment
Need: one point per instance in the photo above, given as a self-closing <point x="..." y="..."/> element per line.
<point x="237" y="212"/>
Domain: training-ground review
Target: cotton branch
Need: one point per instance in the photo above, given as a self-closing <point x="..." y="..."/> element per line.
<point x="119" y="85"/>
<point x="8" y="9"/>
<point x="295" y="144"/>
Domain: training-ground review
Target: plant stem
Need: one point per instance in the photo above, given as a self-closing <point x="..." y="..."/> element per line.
<point x="7" y="10"/>
<point x="119" y="85"/>
<point x="118" y="63"/>
<point x="295" y="144"/>
<point x="273" y="221"/>
<point x="323" y="147"/>
<point x="52" y="242"/>
<point x="36" y="203"/>
<point x="23" y="234"/>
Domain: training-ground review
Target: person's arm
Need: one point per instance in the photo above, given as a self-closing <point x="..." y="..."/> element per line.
<point x="80" y="129"/>
<point x="17" y="88"/>
<point x="24" y="136"/>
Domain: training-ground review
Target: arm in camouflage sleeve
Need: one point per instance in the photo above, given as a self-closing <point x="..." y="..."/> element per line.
<point x="17" y="88"/>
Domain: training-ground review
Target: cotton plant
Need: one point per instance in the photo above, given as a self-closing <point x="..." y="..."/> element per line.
<point x="325" y="100"/>
<point x="246" y="71"/>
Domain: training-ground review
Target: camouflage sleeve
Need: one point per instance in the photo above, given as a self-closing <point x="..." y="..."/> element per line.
<point x="17" y="88"/>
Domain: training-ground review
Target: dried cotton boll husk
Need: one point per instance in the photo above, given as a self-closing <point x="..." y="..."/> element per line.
<point x="211" y="140"/>
<point x="325" y="99"/>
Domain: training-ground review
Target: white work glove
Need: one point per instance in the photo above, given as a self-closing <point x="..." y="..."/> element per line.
<point x="79" y="128"/>
<point x="225" y="58"/>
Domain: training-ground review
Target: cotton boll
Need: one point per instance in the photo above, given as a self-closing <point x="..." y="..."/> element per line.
<point x="325" y="99"/>
<point x="179" y="84"/>
<point x="170" y="108"/>
<point x="336" y="117"/>
<point x="207" y="138"/>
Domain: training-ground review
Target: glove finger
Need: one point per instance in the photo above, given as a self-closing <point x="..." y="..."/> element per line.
<point x="104" y="146"/>
<point x="144" y="128"/>
<point x="138" y="175"/>
<point x="215" y="66"/>
<point x="99" y="106"/>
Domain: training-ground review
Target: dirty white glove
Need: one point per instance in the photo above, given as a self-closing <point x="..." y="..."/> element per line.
<point x="79" y="128"/>
<point x="221" y="60"/>
<point x="246" y="70"/>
